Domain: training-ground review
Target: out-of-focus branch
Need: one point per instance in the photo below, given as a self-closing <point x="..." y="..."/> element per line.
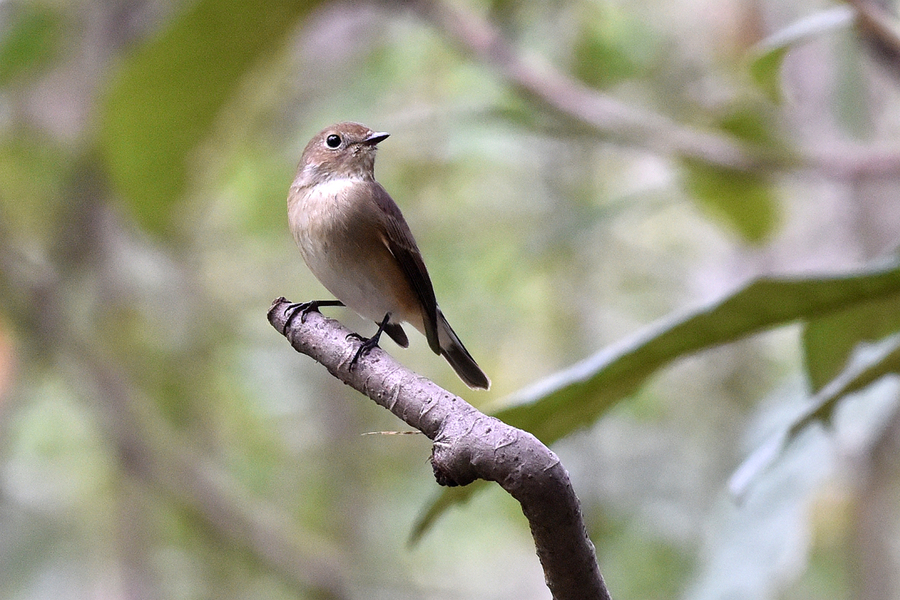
<point x="154" y="455"/>
<point x="619" y="122"/>
<point x="468" y="445"/>
<point x="573" y="99"/>
<point x="875" y="22"/>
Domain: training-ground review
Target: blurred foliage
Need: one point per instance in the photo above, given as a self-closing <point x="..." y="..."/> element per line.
<point x="868" y="366"/>
<point x="745" y="201"/>
<point x="829" y="340"/>
<point x="768" y="57"/>
<point x="612" y="46"/>
<point x="742" y="200"/>
<point x="160" y="440"/>
<point x="32" y="41"/>
<point x="576" y="397"/>
<point x="162" y="102"/>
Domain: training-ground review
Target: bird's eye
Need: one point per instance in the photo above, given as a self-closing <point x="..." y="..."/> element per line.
<point x="333" y="141"/>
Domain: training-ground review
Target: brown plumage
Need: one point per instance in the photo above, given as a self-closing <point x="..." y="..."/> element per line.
<point x="355" y="240"/>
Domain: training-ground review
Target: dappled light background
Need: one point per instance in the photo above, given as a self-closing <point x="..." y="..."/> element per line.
<point x="158" y="439"/>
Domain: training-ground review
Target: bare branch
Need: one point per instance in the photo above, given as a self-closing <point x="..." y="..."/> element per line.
<point x="468" y="445"/>
<point x="573" y="99"/>
<point x="641" y="128"/>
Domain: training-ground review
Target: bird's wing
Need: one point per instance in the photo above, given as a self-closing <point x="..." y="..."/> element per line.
<point x="402" y="245"/>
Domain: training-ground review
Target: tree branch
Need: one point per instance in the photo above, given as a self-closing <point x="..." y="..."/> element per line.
<point x="634" y="126"/>
<point x="877" y="23"/>
<point x="468" y="445"/>
<point x="571" y="98"/>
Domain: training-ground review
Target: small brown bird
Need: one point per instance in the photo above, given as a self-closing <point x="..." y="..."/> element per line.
<point x="357" y="243"/>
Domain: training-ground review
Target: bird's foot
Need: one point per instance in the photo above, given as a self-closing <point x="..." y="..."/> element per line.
<point x="302" y="308"/>
<point x="368" y="343"/>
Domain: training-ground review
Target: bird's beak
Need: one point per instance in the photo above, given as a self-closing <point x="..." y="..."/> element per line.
<point x="378" y="136"/>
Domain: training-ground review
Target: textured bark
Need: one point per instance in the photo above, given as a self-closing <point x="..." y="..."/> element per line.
<point x="468" y="445"/>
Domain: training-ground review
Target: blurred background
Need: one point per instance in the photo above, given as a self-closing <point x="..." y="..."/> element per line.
<point x="158" y="439"/>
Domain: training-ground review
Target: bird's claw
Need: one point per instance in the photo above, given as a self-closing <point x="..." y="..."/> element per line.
<point x="367" y="345"/>
<point x="303" y="308"/>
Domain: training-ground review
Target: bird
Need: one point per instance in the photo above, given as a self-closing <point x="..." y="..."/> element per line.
<point x="354" y="239"/>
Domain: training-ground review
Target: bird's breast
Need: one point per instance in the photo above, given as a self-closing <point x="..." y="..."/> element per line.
<point x="338" y="230"/>
<point x="318" y="213"/>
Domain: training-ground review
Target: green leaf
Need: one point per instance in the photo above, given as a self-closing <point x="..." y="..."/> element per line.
<point x="33" y="176"/>
<point x="164" y="99"/>
<point x="32" y="41"/>
<point x="752" y="122"/>
<point x="578" y="396"/>
<point x="829" y="341"/>
<point x="768" y="56"/>
<point x="868" y="364"/>
<point x="765" y="70"/>
<point x="612" y="47"/>
<point x="745" y="201"/>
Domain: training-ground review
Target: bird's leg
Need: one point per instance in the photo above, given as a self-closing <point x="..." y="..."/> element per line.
<point x="302" y="308"/>
<point x="369" y="343"/>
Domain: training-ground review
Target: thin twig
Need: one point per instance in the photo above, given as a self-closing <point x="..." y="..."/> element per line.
<point x="620" y="122"/>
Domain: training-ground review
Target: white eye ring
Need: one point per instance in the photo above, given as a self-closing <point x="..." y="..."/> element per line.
<point x="333" y="141"/>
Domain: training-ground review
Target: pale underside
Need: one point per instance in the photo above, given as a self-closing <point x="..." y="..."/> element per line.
<point x="348" y="253"/>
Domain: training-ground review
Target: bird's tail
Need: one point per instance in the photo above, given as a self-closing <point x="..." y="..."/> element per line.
<point x="459" y="358"/>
